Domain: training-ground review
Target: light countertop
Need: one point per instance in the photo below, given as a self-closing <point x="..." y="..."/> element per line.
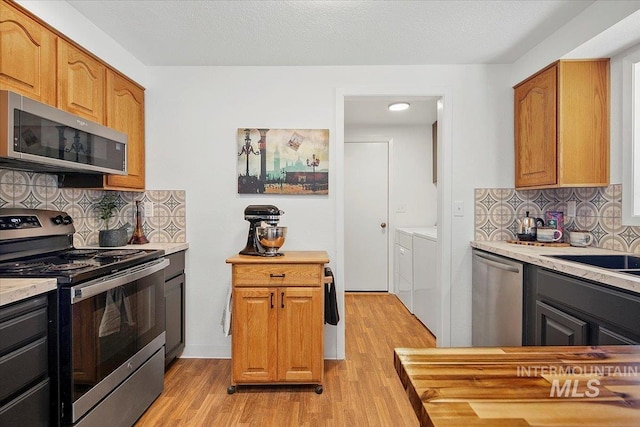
<point x="12" y="290"/>
<point x="537" y="255"/>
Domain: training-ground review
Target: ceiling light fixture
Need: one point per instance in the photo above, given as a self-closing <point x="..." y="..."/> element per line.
<point x="399" y="106"/>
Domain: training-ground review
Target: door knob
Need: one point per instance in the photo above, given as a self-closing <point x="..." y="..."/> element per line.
<point x="383" y="225"/>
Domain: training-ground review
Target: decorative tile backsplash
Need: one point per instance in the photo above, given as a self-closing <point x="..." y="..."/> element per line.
<point x="598" y="210"/>
<point x="167" y="222"/>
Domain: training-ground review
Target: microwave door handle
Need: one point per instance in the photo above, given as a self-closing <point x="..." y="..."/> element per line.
<point x="98" y="286"/>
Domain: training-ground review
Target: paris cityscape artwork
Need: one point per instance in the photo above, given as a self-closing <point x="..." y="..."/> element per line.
<point x="283" y="161"/>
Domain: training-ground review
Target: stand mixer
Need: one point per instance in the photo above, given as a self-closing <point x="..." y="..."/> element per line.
<point x="271" y="236"/>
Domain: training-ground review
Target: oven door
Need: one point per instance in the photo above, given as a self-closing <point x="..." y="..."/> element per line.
<point x="108" y="328"/>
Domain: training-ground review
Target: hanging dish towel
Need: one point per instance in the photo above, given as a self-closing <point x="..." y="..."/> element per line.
<point x="225" y="322"/>
<point x="331" y="315"/>
<point x="116" y="308"/>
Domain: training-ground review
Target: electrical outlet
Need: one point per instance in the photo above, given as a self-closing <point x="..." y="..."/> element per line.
<point x="571" y="208"/>
<point x="148" y="209"/>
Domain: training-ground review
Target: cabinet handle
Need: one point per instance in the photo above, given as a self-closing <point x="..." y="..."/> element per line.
<point x="271" y="299"/>
<point x="282" y="300"/>
<point x="276" y="275"/>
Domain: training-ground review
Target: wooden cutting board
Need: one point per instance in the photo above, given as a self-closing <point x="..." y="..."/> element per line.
<point x="552" y="244"/>
<point x="514" y="386"/>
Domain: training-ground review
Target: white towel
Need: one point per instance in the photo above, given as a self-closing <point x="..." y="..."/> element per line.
<point x="225" y="322"/>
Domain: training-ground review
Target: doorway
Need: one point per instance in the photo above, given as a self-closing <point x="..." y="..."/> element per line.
<point x="366" y="211"/>
<point x="444" y="196"/>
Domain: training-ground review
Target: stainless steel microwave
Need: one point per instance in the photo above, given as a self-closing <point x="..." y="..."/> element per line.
<point x="37" y="137"/>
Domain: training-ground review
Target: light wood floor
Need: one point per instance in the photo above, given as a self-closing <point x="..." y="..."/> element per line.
<point x="363" y="390"/>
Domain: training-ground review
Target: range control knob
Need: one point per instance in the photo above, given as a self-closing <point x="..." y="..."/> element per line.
<point x="57" y="220"/>
<point x="67" y="220"/>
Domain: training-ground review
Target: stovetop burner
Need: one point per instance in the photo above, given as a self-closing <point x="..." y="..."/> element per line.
<point x="68" y="267"/>
<point x="79" y="253"/>
<point x="120" y="253"/>
<point x="72" y="265"/>
<point x="34" y="243"/>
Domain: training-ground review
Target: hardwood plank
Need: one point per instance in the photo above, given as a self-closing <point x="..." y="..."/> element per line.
<point x="363" y="390"/>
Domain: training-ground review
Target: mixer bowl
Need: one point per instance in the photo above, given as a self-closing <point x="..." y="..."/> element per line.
<point x="271" y="238"/>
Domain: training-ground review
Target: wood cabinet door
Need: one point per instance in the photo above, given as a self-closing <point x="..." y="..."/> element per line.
<point x="300" y="328"/>
<point x="555" y="327"/>
<point x="81" y="83"/>
<point x="254" y="335"/>
<point x="27" y="56"/>
<point x="583" y="123"/>
<point x="535" y="130"/>
<point x="125" y="113"/>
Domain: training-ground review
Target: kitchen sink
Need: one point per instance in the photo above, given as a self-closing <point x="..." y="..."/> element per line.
<point x="623" y="263"/>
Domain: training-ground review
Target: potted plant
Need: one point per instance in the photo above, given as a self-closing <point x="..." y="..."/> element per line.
<point x="106" y="208"/>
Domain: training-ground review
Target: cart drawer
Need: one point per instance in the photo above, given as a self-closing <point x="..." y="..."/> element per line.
<point x="278" y="274"/>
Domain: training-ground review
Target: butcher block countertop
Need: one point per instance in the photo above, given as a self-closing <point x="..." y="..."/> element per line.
<point x="522" y="386"/>
<point x="289" y="257"/>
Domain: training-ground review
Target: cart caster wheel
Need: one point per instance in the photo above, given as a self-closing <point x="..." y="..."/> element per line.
<point x="231" y="389"/>
<point x="319" y="389"/>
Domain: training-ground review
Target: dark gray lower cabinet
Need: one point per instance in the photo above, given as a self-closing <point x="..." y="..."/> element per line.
<point x="556" y="327"/>
<point x="174" y="292"/>
<point x="27" y="362"/>
<point x="566" y="310"/>
<point x="607" y="337"/>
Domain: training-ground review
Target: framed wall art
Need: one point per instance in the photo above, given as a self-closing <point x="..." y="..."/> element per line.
<point x="283" y="161"/>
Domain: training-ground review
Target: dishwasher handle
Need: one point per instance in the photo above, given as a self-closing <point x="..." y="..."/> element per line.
<point x="496" y="262"/>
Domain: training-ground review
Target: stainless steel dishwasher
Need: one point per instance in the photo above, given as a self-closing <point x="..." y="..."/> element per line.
<point x="497" y="300"/>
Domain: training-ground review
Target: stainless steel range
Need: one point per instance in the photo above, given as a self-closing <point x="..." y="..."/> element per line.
<point x="111" y="331"/>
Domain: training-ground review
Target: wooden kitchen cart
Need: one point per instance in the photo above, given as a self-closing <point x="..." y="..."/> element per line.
<point x="277" y="319"/>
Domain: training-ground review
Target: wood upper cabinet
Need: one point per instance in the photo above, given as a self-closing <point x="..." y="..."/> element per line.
<point x="27" y="56"/>
<point x="81" y="83"/>
<point x="42" y="64"/>
<point x="125" y="113"/>
<point x="562" y="126"/>
<point x="277" y="326"/>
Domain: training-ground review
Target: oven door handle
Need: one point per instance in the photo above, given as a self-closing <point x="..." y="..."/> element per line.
<point x="98" y="286"/>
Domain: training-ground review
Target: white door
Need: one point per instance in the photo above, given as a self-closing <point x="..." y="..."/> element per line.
<point x="365" y="216"/>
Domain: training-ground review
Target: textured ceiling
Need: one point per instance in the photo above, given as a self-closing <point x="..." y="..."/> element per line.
<point x="328" y="32"/>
